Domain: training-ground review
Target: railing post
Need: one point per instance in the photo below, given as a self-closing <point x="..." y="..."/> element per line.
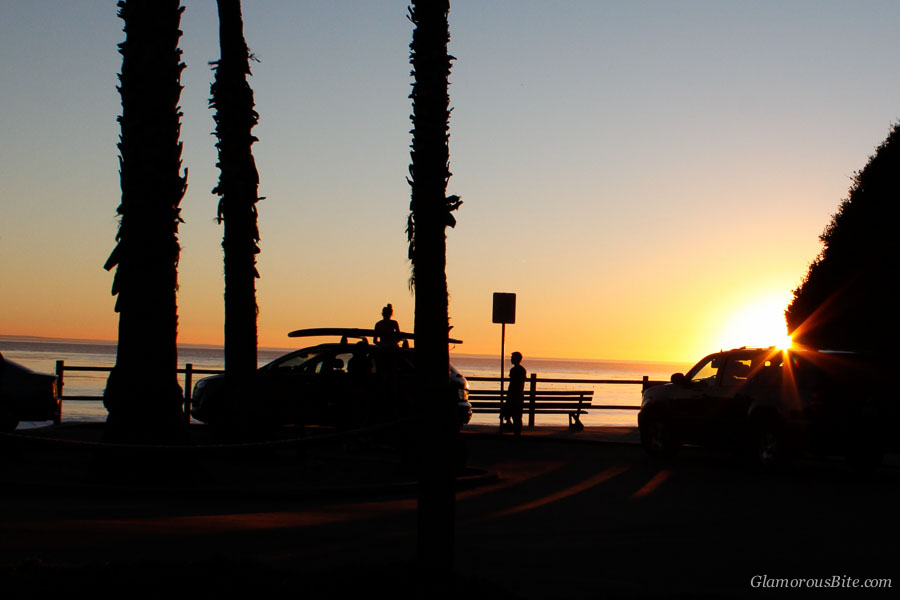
<point x="60" y="368"/>
<point x="531" y="391"/>
<point x="644" y="382"/>
<point x="188" y="380"/>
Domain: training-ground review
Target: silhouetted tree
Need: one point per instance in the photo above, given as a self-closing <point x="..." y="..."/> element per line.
<point x="847" y="298"/>
<point x="430" y="215"/>
<point x="232" y="100"/>
<point x="142" y="393"/>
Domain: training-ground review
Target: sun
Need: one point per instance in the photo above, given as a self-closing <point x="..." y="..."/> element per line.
<point x="759" y="323"/>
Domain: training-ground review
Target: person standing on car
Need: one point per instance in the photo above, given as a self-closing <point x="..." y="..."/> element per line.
<point x="387" y="335"/>
<point x="515" y="396"/>
<point x="387" y="330"/>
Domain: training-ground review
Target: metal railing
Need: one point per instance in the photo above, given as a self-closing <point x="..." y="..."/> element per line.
<point x="61" y="368"/>
<point x="189" y="371"/>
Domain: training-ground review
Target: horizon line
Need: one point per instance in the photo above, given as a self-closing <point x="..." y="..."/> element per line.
<point x="39" y="338"/>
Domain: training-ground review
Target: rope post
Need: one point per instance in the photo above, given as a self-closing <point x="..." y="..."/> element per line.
<point x="60" y="368"/>
<point x="532" y="388"/>
<point x="188" y="378"/>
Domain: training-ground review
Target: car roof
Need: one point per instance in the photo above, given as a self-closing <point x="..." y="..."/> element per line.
<point x="749" y="349"/>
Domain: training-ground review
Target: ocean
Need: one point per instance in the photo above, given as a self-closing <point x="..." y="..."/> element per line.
<point x="41" y="355"/>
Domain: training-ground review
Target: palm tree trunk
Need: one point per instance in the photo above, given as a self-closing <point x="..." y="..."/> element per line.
<point x="235" y="117"/>
<point x="142" y="393"/>
<point x="429" y="218"/>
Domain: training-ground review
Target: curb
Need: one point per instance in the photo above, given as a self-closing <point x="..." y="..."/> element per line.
<point x="524" y="438"/>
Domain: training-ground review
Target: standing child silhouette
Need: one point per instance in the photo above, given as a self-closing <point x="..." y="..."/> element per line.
<point x="515" y="398"/>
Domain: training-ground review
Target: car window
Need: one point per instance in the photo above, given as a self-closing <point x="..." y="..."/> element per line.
<point x="362" y="363"/>
<point x="328" y="362"/>
<point x="769" y="373"/>
<point x="292" y="361"/>
<point x="736" y="371"/>
<point x="706" y="372"/>
<point x="399" y="362"/>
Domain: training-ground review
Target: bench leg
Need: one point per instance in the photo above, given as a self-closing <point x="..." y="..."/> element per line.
<point x="575" y="423"/>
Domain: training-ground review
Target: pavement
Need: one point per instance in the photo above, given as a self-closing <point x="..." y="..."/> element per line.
<point x="590" y="434"/>
<point x="553" y="514"/>
<point x="303" y="463"/>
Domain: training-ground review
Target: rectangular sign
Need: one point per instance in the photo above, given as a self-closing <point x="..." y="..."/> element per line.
<point x="504" y="307"/>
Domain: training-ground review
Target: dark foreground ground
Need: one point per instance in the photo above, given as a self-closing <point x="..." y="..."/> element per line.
<point x="555" y="515"/>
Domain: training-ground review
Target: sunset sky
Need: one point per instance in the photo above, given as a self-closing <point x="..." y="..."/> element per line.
<point x="650" y="178"/>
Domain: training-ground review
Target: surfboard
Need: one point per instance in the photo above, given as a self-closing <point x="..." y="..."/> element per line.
<point x="352" y="332"/>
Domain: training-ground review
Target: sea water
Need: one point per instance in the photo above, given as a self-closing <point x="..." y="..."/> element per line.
<point x="41" y="355"/>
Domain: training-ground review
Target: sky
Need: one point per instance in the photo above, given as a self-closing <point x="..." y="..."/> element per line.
<point x="650" y="178"/>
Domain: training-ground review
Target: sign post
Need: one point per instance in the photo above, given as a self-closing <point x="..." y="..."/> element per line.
<point x="504" y="312"/>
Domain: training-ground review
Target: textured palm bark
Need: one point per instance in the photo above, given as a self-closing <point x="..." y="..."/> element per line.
<point x="429" y="218"/>
<point x="142" y="393"/>
<point x="235" y="117"/>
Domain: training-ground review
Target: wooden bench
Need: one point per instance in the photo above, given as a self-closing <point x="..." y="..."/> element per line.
<point x="544" y="402"/>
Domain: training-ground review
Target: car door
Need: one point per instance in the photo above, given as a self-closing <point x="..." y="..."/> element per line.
<point x="725" y="404"/>
<point x="282" y="383"/>
<point x="323" y="388"/>
<point x="690" y="402"/>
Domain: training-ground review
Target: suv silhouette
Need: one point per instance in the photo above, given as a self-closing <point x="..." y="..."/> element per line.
<point x="773" y="404"/>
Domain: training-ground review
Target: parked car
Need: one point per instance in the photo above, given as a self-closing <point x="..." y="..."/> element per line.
<point x="775" y="403"/>
<point x="25" y="395"/>
<point x="341" y="384"/>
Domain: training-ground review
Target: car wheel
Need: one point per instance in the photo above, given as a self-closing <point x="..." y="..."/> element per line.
<point x="865" y="458"/>
<point x="766" y="445"/>
<point x="461" y="455"/>
<point x="658" y="439"/>
<point x="866" y="440"/>
<point x="865" y="452"/>
<point x="8" y="419"/>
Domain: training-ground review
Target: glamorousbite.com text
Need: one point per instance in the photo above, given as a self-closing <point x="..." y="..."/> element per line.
<point x="835" y="581"/>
